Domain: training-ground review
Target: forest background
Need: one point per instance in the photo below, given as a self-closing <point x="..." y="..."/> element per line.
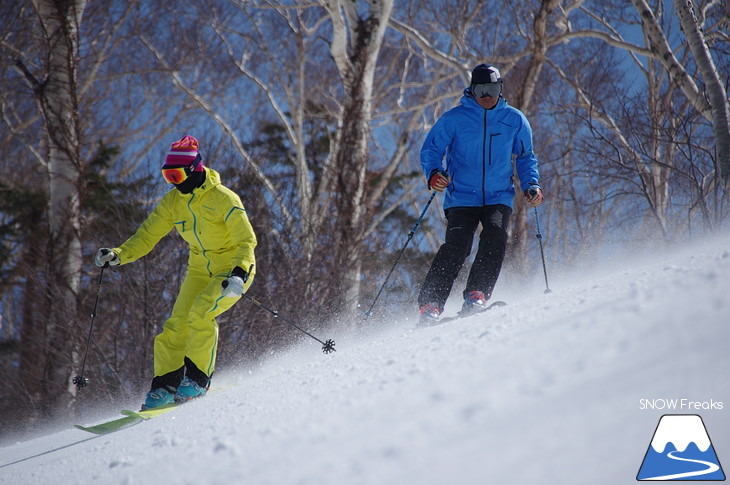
<point x="314" y="112"/>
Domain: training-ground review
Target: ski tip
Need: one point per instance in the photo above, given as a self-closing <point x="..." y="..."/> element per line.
<point x="84" y="428"/>
<point x="111" y="426"/>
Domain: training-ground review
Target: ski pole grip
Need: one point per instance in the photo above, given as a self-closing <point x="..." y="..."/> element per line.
<point x="250" y="268"/>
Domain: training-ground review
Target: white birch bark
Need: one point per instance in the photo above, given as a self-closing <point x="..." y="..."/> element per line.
<point x="664" y="54"/>
<point x="715" y="89"/>
<point x="57" y="97"/>
<point x="355" y="46"/>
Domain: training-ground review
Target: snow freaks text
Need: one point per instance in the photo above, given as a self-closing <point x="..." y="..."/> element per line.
<point x="679" y="404"/>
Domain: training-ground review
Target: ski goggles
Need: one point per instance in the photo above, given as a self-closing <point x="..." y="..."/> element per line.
<point x="178" y="175"/>
<point x="484" y="90"/>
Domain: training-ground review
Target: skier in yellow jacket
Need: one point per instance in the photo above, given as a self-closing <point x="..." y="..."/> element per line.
<point x="213" y="221"/>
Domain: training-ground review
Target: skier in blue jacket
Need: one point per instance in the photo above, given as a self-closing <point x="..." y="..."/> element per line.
<point x="478" y="139"/>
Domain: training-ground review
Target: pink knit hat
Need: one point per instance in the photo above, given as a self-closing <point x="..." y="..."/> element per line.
<point x="183" y="153"/>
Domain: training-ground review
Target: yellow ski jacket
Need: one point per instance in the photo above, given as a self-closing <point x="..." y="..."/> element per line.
<point x="212" y="220"/>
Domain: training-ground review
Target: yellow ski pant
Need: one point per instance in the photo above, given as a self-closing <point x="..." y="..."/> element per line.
<point x="192" y="331"/>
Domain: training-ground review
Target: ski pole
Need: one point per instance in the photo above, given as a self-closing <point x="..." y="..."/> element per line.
<point x="542" y="254"/>
<point x="327" y="346"/>
<point x="80" y="380"/>
<point x="410" y="236"/>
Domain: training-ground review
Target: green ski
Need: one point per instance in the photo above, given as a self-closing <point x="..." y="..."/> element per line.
<point x="130" y="419"/>
<point x="112" y="426"/>
<point x="150" y="413"/>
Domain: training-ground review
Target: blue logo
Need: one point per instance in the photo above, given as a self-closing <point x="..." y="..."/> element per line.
<point x="681" y="450"/>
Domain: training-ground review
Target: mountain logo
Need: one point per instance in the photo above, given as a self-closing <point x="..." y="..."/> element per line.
<point x="680" y="450"/>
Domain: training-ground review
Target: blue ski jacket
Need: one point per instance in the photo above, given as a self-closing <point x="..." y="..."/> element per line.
<point x="478" y="145"/>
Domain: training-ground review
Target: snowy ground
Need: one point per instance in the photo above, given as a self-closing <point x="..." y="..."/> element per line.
<point x="548" y="390"/>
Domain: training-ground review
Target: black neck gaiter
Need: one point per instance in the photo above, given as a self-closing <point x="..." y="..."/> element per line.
<point x="194" y="181"/>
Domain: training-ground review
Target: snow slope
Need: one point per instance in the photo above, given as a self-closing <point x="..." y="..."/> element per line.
<point x="552" y="389"/>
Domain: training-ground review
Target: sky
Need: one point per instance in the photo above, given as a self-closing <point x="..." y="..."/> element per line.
<point x="566" y="387"/>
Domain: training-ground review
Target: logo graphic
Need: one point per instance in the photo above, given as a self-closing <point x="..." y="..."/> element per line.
<point x="681" y="450"/>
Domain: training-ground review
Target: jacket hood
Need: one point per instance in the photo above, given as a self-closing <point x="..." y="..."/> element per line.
<point x="212" y="178"/>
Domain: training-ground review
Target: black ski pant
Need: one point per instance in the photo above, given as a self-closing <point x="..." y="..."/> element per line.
<point x="462" y="224"/>
<point x="171" y="380"/>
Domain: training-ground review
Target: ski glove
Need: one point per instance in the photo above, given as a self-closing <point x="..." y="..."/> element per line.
<point x="232" y="286"/>
<point x="534" y="195"/>
<point x="105" y="257"/>
<point x="438" y="180"/>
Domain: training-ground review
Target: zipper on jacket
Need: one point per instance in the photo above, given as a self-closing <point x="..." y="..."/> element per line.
<point x="484" y="159"/>
<point x="195" y="231"/>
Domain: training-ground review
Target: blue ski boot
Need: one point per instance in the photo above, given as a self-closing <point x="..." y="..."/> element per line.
<point x="158" y="397"/>
<point x="188" y="389"/>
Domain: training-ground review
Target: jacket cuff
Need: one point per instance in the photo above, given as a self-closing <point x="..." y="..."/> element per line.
<point x="118" y="252"/>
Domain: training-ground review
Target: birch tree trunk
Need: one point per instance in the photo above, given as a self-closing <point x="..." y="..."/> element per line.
<point x="519" y="246"/>
<point x="711" y="103"/>
<point x="355" y="45"/>
<point x="715" y="89"/>
<point x="662" y="51"/>
<point x="56" y="94"/>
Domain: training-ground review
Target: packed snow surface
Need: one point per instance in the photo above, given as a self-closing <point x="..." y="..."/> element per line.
<point x="559" y="388"/>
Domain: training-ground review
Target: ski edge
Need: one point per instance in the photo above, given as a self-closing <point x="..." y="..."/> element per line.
<point x="152" y="412"/>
